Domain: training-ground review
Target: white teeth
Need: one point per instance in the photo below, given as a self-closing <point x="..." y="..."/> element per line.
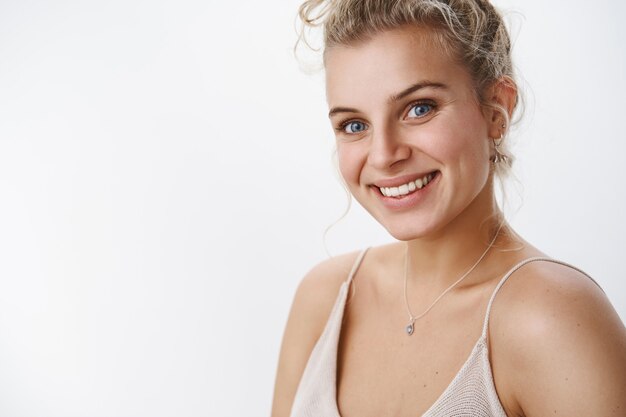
<point x="408" y="188"/>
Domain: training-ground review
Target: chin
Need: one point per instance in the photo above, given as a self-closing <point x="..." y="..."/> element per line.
<point x="409" y="231"/>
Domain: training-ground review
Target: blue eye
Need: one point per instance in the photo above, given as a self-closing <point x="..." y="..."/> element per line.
<point x="420" y="110"/>
<point x="354" y="127"/>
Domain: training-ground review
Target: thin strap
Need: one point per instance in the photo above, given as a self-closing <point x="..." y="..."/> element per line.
<point x="515" y="268"/>
<point x="356" y="265"/>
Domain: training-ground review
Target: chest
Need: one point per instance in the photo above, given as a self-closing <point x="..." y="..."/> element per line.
<point x="382" y="371"/>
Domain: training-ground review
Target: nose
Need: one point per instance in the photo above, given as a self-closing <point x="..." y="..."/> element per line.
<point x="387" y="148"/>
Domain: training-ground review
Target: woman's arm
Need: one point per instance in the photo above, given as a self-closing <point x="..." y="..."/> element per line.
<point x="310" y="310"/>
<point x="561" y="346"/>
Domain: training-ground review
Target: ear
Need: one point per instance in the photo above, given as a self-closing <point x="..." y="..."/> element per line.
<point x="502" y="96"/>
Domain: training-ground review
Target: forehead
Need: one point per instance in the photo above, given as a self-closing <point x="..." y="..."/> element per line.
<point x="387" y="63"/>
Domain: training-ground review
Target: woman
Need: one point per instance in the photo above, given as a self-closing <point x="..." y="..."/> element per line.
<point x="460" y="317"/>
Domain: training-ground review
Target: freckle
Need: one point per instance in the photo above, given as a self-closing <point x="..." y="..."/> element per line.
<point x="424" y="385"/>
<point x="578" y="324"/>
<point x="567" y="379"/>
<point x="437" y="372"/>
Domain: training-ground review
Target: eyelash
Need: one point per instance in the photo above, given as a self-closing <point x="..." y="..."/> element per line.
<point x="341" y="128"/>
<point x="432" y="105"/>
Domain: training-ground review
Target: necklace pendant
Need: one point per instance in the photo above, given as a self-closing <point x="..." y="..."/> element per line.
<point x="409" y="329"/>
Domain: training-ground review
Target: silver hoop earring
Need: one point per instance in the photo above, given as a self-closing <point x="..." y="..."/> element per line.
<point x="499" y="156"/>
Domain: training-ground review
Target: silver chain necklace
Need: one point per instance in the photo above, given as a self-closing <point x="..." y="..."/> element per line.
<point x="411" y="326"/>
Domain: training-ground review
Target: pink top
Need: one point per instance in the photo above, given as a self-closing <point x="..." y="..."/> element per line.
<point x="471" y="393"/>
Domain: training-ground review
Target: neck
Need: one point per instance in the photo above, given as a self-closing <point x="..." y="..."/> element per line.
<point x="437" y="261"/>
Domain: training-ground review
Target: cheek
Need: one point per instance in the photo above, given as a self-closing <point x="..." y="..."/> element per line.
<point x="446" y="144"/>
<point x="467" y="140"/>
<point x="349" y="163"/>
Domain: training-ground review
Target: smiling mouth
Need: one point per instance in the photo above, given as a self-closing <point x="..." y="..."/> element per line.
<point x="409" y="187"/>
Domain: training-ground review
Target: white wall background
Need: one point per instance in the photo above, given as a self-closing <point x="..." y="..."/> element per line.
<point x="165" y="181"/>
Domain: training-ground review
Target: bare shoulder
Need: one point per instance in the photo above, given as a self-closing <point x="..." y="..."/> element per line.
<point x="554" y="333"/>
<point x="319" y="288"/>
<point x="310" y="310"/>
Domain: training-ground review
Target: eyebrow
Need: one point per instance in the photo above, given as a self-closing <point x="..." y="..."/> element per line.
<point x="394" y="97"/>
<point x="417" y="86"/>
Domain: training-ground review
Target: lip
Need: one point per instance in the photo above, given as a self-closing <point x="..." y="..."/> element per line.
<point x="405" y="179"/>
<point x="410" y="200"/>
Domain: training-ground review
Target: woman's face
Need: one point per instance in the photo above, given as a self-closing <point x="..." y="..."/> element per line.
<point x="403" y="111"/>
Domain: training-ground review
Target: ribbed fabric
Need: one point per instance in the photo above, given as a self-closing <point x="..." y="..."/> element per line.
<point x="470" y="394"/>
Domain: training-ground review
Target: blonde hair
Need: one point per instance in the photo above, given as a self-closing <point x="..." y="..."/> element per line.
<point x="470" y="31"/>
